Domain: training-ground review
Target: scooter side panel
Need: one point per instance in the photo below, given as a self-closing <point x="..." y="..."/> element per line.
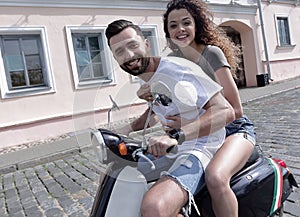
<point x="127" y="194"/>
<point x="254" y="188"/>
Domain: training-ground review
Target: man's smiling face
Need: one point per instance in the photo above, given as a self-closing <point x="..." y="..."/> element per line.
<point x="131" y="51"/>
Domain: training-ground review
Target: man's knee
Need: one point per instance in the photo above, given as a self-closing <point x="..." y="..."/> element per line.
<point x="152" y="206"/>
<point x="160" y="200"/>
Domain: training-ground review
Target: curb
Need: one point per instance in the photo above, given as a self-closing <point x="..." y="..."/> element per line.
<point x="271" y="94"/>
<point x="44" y="153"/>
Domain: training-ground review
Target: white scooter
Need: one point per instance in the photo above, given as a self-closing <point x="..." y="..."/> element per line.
<point x="261" y="186"/>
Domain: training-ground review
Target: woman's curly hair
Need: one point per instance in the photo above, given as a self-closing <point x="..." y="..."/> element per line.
<point x="207" y="32"/>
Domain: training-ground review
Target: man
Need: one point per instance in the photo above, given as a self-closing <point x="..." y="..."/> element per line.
<point x="203" y="112"/>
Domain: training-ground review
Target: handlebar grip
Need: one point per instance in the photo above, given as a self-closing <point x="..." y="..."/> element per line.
<point x="173" y="149"/>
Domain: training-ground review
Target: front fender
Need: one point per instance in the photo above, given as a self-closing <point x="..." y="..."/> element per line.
<point x="120" y="195"/>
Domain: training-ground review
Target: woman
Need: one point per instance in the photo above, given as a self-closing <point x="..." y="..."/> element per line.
<point x="192" y="34"/>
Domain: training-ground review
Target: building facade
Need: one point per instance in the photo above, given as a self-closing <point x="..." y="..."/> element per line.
<point x="56" y="71"/>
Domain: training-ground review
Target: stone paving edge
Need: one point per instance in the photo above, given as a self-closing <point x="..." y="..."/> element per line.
<point x="43" y="153"/>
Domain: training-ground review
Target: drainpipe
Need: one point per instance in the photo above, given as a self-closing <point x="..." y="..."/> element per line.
<point x="264" y="38"/>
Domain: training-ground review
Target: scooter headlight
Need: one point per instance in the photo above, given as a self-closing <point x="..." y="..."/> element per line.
<point x="98" y="145"/>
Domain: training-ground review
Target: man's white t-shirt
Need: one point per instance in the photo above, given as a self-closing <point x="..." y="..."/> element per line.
<point x="190" y="90"/>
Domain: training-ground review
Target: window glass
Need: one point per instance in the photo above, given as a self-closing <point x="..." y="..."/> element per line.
<point x="148" y="34"/>
<point x="82" y="57"/>
<point x="88" y="49"/>
<point x="23" y="64"/>
<point x="30" y="46"/>
<point x="14" y="62"/>
<point x="94" y="44"/>
<point x="11" y="46"/>
<point x="79" y="42"/>
<point x="34" y="69"/>
<point x="283" y="31"/>
<point x="25" y="61"/>
<point x="17" y="78"/>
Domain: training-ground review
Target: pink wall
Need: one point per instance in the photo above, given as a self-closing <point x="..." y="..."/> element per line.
<point x="40" y="117"/>
<point x="67" y="109"/>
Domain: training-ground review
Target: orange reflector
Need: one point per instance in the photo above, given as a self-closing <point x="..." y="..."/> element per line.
<point x="122" y="148"/>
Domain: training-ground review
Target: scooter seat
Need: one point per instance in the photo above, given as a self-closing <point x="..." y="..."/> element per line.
<point x="253" y="157"/>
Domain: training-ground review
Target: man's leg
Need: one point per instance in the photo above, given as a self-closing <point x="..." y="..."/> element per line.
<point x="164" y="199"/>
<point x="175" y="188"/>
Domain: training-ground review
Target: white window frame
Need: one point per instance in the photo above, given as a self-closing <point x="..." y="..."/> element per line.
<point x="279" y="44"/>
<point x="108" y="65"/>
<point x="154" y="38"/>
<point x="50" y="86"/>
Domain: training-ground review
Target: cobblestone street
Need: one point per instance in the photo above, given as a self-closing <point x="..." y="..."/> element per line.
<point x="277" y="121"/>
<point x="66" y="187"/>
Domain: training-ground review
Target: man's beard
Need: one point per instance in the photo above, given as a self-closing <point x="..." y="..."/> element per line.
<point x="138" y="70"/>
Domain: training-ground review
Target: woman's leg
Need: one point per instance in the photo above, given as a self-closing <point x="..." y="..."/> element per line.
<point x="228" y="160"/>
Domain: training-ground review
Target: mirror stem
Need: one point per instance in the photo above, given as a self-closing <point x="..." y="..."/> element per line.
<point x="144" y="143"/>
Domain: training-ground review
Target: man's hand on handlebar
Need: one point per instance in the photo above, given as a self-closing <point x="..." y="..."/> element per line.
<point x="158" y="145"/>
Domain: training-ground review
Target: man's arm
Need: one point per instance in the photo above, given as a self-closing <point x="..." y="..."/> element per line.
<point x="218" y="113"/>
<point x="138" y="123"/>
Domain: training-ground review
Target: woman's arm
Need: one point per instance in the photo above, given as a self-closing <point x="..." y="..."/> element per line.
<point x="230" y="91"/>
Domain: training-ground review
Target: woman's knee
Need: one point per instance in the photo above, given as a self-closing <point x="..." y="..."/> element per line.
<point x="216" y="179"/>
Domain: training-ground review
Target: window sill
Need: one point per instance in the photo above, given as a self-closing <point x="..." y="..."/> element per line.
<point x="27" y="92"/>
<point x="283" y="47"/>
<point x="94" y="84"/>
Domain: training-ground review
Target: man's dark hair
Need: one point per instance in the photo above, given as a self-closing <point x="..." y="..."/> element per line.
<point x="118" y="26"/>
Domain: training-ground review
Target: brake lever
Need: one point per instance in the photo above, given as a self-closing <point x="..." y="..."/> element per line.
<point x="140" y="153"/>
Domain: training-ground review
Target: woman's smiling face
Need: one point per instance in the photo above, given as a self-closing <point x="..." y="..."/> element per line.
<point x="181" y="27"/>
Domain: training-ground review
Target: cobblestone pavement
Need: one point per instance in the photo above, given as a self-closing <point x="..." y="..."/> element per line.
<point x="66" y="187"/>
<point x="277" y="121"/>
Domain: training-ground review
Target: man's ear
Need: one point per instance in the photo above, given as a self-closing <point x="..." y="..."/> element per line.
<point x="147" y="43"/>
